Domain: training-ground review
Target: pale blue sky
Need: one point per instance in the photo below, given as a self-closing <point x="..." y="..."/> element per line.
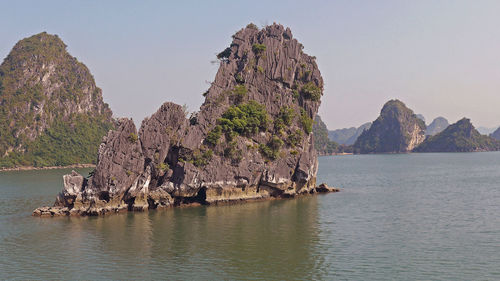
<point x="439" y="57"/>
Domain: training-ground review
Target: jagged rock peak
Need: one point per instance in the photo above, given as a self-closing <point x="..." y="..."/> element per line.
<point x="251" y="139"/>
<point x="42" y="86"/>
<point x="271" y="65"/>
<point x="396" y="130"/>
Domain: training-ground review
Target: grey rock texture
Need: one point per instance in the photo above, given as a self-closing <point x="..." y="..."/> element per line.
<point x="175" y="160"/>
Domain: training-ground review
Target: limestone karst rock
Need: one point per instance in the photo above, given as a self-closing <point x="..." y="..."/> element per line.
<point x="322" y="143"/>
<point x="459" y="137"/>
<point x="437" y="126"/>
<point x="51" y="111"/>
<point x="348" y="136"/>
<point x="251" y="139"/>
<point x="396" y="130"/>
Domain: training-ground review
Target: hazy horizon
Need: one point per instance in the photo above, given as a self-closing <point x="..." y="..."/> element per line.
<point x="439" y="58"/>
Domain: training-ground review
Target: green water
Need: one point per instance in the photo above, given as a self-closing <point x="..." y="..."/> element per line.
<point x="398" y="217"/>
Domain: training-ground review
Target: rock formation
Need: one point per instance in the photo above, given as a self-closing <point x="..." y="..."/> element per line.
<point x="459" y="137"/>
<point x="323" y="145"/>
<point x="396" y="130"/>
<point x="49" y="102"/>
<point x="421" y="117"/>
<point x="437" y="126"/>
<point x="348" y="136"/>
<point x="496" y="134"/>
<point x="252" y="138"/>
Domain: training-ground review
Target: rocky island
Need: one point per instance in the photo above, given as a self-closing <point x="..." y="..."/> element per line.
<point x="396" y="130"/>
<point x="252" y="138"/>
<point x="459" y="137"/>
<point x="51" y="111"/>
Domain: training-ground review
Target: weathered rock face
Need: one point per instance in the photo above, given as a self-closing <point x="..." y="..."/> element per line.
<point x="251" y="139"/>
<point x="396" y="130"/>
<point x="437" y="126"/>
<point x="44" y="88"/>
<point x="459" y="137"/>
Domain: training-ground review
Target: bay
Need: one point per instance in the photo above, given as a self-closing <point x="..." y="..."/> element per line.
<point x="398" y="217"/>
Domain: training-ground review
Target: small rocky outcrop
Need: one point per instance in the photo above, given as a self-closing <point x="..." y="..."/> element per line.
<point x="459" y="137"/>
<point x="437" y="126"/>
<point x="252" y="138"/>
<point x="396" y="130"/>
<point x="324" y="188"/>
<point x="49" y="101"/>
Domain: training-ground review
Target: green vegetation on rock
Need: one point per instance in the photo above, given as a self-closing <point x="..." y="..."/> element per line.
<point x="244" y="119"/>
<point x="271" y="150"/>
<point x="52" y="113"/>
<point x="133" y="137"/>
<point x="396" y="130"/>
<point x="284" y="118"/>
<point x="239" y="93"/>
<point x="214" y="135"/>
<point x="311" y="92"/>
<point x="258" y="48"/>
<point x="321" y="141"/>
<point x="62" y="144"/>
<point x="459" y="137"/>
<point x="306" y="122"/>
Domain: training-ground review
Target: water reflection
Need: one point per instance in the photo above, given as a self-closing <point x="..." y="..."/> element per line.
<point x="259" y="240"/>
<point x="398" y="217"/>
<point x="271" y="240"/>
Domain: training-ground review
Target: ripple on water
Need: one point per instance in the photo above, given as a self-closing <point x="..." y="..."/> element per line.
<point x="398" y="217"/>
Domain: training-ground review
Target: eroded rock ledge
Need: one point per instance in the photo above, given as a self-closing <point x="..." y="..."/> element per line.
<point x="70" y="203"/>
<point x="252" y="138"/>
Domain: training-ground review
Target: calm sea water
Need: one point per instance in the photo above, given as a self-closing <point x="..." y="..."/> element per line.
<point x="398" y="217"/>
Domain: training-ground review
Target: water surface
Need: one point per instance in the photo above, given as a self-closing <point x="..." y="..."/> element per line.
<point x="398" y="217"/>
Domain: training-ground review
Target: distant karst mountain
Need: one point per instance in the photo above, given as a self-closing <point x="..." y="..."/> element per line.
<point x="348" y="136"/>
<point x="486" y="130"/>
<point x="51" y="113"/>
<point x="437" y="126"/>
<point x="496" y="134"/>
<point x="322" y="143"/>
<point x="459" y="137"/>
<point x="397" y="129"/>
